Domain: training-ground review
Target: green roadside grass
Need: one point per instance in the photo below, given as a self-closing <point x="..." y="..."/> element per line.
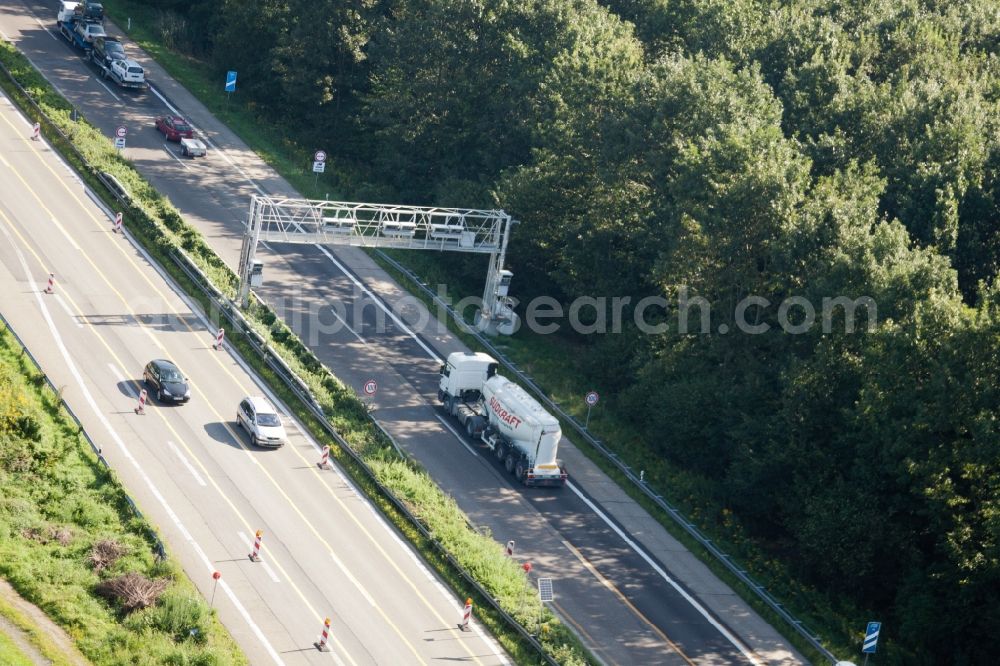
<point x="12" y="655"/>
<point x="541" y="357"/>
<point x="58" y="501"/>
<point x="453" y="544"/>
<point x="268" y="140"/>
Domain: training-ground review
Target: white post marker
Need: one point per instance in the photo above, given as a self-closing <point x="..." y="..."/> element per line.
<point x="321" y="643"/>
<point x="36" y="131"/>
<point x="255" y="553"/>
<point x="51" y="288"/>
<point x="215" y="576"/>
<point x="118" y="222"/>
<point x="324" y="461"/>
<point x="141" y="409"/>
<point x="217" y="345"/>
<point x="510" y="548"/>
<point x="466" y="615"/>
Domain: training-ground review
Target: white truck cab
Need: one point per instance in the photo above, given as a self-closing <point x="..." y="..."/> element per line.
<point x="466" y="371"/>
<point x="66" y="10"/>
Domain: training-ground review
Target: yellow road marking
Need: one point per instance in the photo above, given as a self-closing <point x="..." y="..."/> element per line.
<point x="237" y="439"/>
<point x="615" y="591"/>
<point x="179" y="438"/>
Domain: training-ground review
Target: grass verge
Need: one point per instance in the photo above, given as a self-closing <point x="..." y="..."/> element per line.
<point x="58" y="502"/>
<point x="541" y="357"/>
<point x="34" y="634"/>
<point x="12" y="654"/>
<point x="453" y="546"/>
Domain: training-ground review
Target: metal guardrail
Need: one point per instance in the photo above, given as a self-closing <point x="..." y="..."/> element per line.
<point x="640" y="483"/>
<point x="228" y="309"/>
<point x="161" y="552"/>
<point x="291" y="379"/>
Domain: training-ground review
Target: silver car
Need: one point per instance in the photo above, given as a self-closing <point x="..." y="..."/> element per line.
<point x="261" y="421"/>
<point x="193" y="148"/>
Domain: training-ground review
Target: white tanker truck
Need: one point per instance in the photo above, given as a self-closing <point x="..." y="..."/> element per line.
<point x="524" y="437"/>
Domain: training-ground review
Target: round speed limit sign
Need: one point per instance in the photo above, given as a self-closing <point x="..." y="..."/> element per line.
<point x="592" y="398"/>
<point x="371" y="387"/>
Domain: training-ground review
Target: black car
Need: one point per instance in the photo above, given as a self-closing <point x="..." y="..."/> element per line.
<point x="166" y="381"/>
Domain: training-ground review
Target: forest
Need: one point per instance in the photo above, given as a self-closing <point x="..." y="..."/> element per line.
<point x="720" y="149"/>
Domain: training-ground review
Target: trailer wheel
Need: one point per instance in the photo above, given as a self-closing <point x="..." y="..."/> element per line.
<point x="520" y="471"/>
<point x="509" y="464"/>
<point x="501" y="451"/>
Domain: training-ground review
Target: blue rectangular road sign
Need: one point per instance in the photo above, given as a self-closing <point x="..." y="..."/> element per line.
<point x="230" y="81"/>
<point x="871" y="638"/>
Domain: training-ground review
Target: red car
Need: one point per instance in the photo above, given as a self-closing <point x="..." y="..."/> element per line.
<point x="174" y="128"/>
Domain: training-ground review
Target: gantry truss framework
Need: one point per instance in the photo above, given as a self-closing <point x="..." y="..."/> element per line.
<point x="306" y="221"/>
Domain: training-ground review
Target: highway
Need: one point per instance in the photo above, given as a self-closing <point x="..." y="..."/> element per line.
<point x="326" y="551"/>
<point x="632" y="593"/>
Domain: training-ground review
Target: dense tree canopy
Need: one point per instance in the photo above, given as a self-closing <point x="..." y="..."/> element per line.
<point x="720" y="150"/>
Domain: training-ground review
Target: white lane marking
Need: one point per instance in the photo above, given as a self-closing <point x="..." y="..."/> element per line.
<point x="350" y="577"/>
<point x="209" y="566"/>
<point x="697" y="606"/>
<point x="446" y="594"/>
<point x="180" y="455"/>
<point x="43" y="27"/>
<point x="37" y="68"/>
<point x="179" y="161"/>
<point x="205" y="138"/>
<point x="120" y="378"/>
<point x="457" y="436"/>
<point x="379" y="303"/>
<point x="663" y="574"/>
<point x="69" y="313"/>
<point x="110" y="92"/>
<point x="270" y="572"/>
<point x="65" y="233"/>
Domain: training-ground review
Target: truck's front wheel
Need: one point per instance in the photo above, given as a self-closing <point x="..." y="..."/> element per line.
<point x="501" y="451"/>
<point x="470" y="427"/>
<point x="449" y="403"/>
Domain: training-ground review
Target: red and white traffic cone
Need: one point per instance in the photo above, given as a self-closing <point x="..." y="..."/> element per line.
<point x="321" y="643"/>
<point x="466" y="615"/>
<point x="141" y="409"/>
<point x="118" y="222"/>
<point x="36" y="132"/>
<point x="217" y="345"/>
<point x="324" y="461"/>
<point x="51" y="289"/>
<point x="510" y="548"/>
<point x="255" y="555"/>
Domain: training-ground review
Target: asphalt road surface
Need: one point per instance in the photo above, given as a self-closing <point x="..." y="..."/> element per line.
<point x="632" y="594"/>
<point x="326" y="551"/>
